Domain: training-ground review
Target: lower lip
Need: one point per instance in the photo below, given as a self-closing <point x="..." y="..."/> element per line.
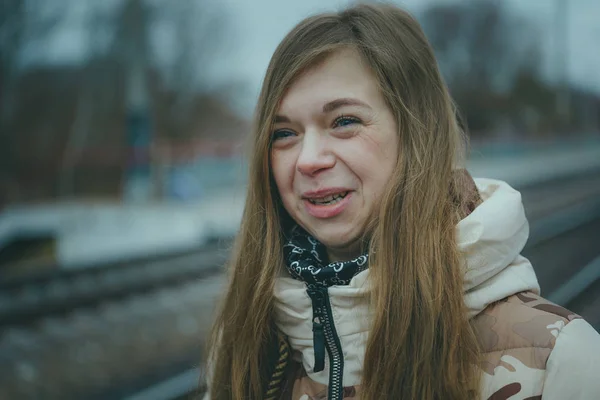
<point x="327" y="210"/>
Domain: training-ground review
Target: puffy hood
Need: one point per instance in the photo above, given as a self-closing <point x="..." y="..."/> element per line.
<point x="491" y="239"/>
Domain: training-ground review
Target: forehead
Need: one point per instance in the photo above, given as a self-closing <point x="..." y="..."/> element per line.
<point x="343" y="74"/>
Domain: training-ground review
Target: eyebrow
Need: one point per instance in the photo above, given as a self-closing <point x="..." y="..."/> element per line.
<point x="347" y="101"/>
<point x="281" y="119"/>
<point x="329" y="107"/>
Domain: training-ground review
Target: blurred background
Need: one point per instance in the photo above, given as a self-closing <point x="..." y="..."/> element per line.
<point x="122" y="136"/>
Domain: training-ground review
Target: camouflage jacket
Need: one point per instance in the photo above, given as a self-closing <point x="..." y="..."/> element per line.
<point x="531" y="347"/>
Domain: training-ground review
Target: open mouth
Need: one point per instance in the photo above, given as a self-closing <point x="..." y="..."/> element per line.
<point x="329" y="200"/>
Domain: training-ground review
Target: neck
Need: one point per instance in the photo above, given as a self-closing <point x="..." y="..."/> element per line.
<point x="344" y="254"/>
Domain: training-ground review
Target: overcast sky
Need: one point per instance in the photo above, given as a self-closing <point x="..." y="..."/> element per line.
<point x="261" y="24"/>
<point x="255" y="27"/>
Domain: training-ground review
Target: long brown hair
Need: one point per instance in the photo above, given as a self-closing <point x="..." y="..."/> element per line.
<point x="421" y="345"/>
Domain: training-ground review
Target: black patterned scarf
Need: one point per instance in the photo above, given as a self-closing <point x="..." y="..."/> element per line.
<point x="306" y="260"/>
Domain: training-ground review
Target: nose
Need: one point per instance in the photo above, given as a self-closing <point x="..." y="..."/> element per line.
<point x="315" y="155"/>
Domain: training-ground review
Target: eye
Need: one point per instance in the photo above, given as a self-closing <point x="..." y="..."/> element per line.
<point x="281" y="134"/>
<point x="345" y="121"/>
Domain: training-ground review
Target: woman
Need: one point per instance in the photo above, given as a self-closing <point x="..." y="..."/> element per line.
<point x="369" y="264"/>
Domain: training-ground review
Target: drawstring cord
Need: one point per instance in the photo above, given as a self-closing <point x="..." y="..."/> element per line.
<point x="278" y="373"/>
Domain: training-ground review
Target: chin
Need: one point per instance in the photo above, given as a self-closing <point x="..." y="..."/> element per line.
<point x="339" y="240"/>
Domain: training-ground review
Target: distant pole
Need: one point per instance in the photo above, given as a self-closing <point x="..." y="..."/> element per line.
<point x="138" y="179"/>
<point x="563" y="100"/>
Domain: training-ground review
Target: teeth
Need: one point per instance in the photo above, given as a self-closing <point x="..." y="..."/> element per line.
<point x="332" y="199"/>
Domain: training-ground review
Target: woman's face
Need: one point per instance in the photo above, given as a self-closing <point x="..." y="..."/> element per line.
<point x="334" y="147"/>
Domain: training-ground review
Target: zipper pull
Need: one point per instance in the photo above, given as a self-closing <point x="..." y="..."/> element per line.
<point x="319" y="345"/>
<point x="318" y="298"/>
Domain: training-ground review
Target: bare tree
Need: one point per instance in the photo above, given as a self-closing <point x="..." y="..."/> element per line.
<point x="480" y="43"/>
<point x="484" y="53"/>
<point x="11" y="31"/>
<point x="91" y="97"/>
<point x="21" y="25"/>
<point x="12" y="27"/>
<point x="196" y="36"/>
<point x="121" y="68"/>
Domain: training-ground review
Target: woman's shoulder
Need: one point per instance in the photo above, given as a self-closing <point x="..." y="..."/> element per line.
<point x="524" y="320"/>
<point x="528" y="341"/>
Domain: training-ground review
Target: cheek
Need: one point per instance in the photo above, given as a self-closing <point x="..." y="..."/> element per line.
<point x="386" y="165"/>
<point x="378" y="155"/>
<point x="282" y="170"/>
<point x="386" y="150"/>
<point x="375" y="164"/>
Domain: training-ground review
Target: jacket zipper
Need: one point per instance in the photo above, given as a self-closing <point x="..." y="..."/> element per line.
<point x="325" y="335"/>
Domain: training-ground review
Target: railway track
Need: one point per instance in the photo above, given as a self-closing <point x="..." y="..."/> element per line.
<point x="23" y="302"/>
<point x="152" y="313"/>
